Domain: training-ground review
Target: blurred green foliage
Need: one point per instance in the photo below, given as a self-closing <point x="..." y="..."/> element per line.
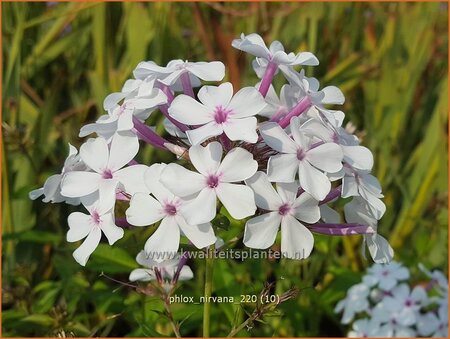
<point x="61" y="59"/>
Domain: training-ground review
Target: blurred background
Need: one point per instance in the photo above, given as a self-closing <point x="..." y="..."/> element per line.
<point x="60" y="60"/>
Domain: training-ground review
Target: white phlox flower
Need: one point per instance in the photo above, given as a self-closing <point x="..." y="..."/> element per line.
<point x="386" y="277"/>
<point x="219" y="112"/>
<point x="369" y="328"/>
<point x="275" y="157"/>
<point x="355" y="301"/>
<point x="167" y="269"/>
<point x="299" y="154"/>
<point x="107" y="169"/>
<point x="91" y="226"/>
<point x="178" y="71"/>
<point x="214" y="179"/>
<point x="284" y="208"/>
<point x="171" y="210"/>
<point x="52" y="186"/>
<point x="255" y="45"/>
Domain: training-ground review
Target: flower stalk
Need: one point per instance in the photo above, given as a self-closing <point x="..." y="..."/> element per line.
<point x="209" y="266"/>
<point x="267" y="78"/>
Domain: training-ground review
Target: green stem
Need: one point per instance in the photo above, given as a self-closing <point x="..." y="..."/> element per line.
<point x="236" y="330"/>
<point x="209" y="265"/>
<point x="174" y="325"/>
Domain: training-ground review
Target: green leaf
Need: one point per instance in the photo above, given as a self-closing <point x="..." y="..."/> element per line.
<point x="40" y="319"/>
<point x="111" y="259"/>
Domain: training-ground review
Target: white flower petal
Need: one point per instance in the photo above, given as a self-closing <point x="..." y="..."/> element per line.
<point x="144" y="210"/>
<point x="297" y="241"/>
<point x="239" y="200"/>
<point x="305" y="59"/>
<point x="265" y="195"/>
<point x="82" y="253"/>
<point x="246" y="103"/>
<point x="125" y="121"/>
<point x="200" y="235"/>
<point x="253" y="44"/>
<point x="327" y="157"/>
<point x="200" y="134"/>
<point x="276" y="138"/>
<point x="329" y="215"/>
<point x="379" y="248"/>
<point x="208" y="71"/>
<point x="282" y="167"/>
<point x="132" y="179"/>
<point x="109" y="228"/>
<point x="358" y="157"/>
<point x="206" y="159"/>
<point x="141" y="274"/>
<point x="333" y="95"/>
<point x="216" y="96"/>
<point x="52" y="189"/>
<point x="112" y="99"/>
<point x="241" y="129"/>
<point x="287" y="191"/>
<point x="80" y="225"/>
<point x="202" y="209"/>
<point x="94" y="153"/>
<point x="261" y="231"/>
<point x="124" y="147"/>
<point x="181" y="181"/>
<point x="189" y="111"/>
<point x="306" y="208"/>
<point x="34" y="194"/>
<point x="153" y="184"/>
<point x="106" y="194"/>
<point x="185" y="273"/>
<point x="349" y="187"/>
<point x="313" y="181"/>
<point x="165" y="241"/>
<point x="78" y="184"/>
<point x="237" y="165"/>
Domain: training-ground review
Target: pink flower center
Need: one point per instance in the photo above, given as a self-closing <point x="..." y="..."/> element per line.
<point x="300" y="154"/>
<point x="284" y="209"/>
<point x="107" y="174"/>
<point x="95" y="217"/>
<point x="221" y="115"/>
<point x="170" y="209"/>
<point x="212" y="181"/>
<point x="385" y="273"/>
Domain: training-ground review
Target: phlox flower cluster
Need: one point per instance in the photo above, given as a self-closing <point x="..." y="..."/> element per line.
<point x="275" y="159"/>
<point x="387" y="304"/>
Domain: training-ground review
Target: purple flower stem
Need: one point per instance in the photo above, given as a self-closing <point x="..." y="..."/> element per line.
<point x="122" y="196"/>
<point x="145" y="133"/>
<point x="165" y="110"/>
<point x="122" y="222"/>
<point x="334" y="193"/>
<point x="181" y="263"/>
<point x="167" y="91"/>
<point x="301" y="107"/>
<point x="267" y="78"/>
<point x="226" y="142"/>
<point x="187" y="86"/>
<point x="341" y="229"/>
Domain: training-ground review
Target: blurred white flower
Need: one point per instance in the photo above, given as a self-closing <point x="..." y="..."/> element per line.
<point x="166" y="270"/>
